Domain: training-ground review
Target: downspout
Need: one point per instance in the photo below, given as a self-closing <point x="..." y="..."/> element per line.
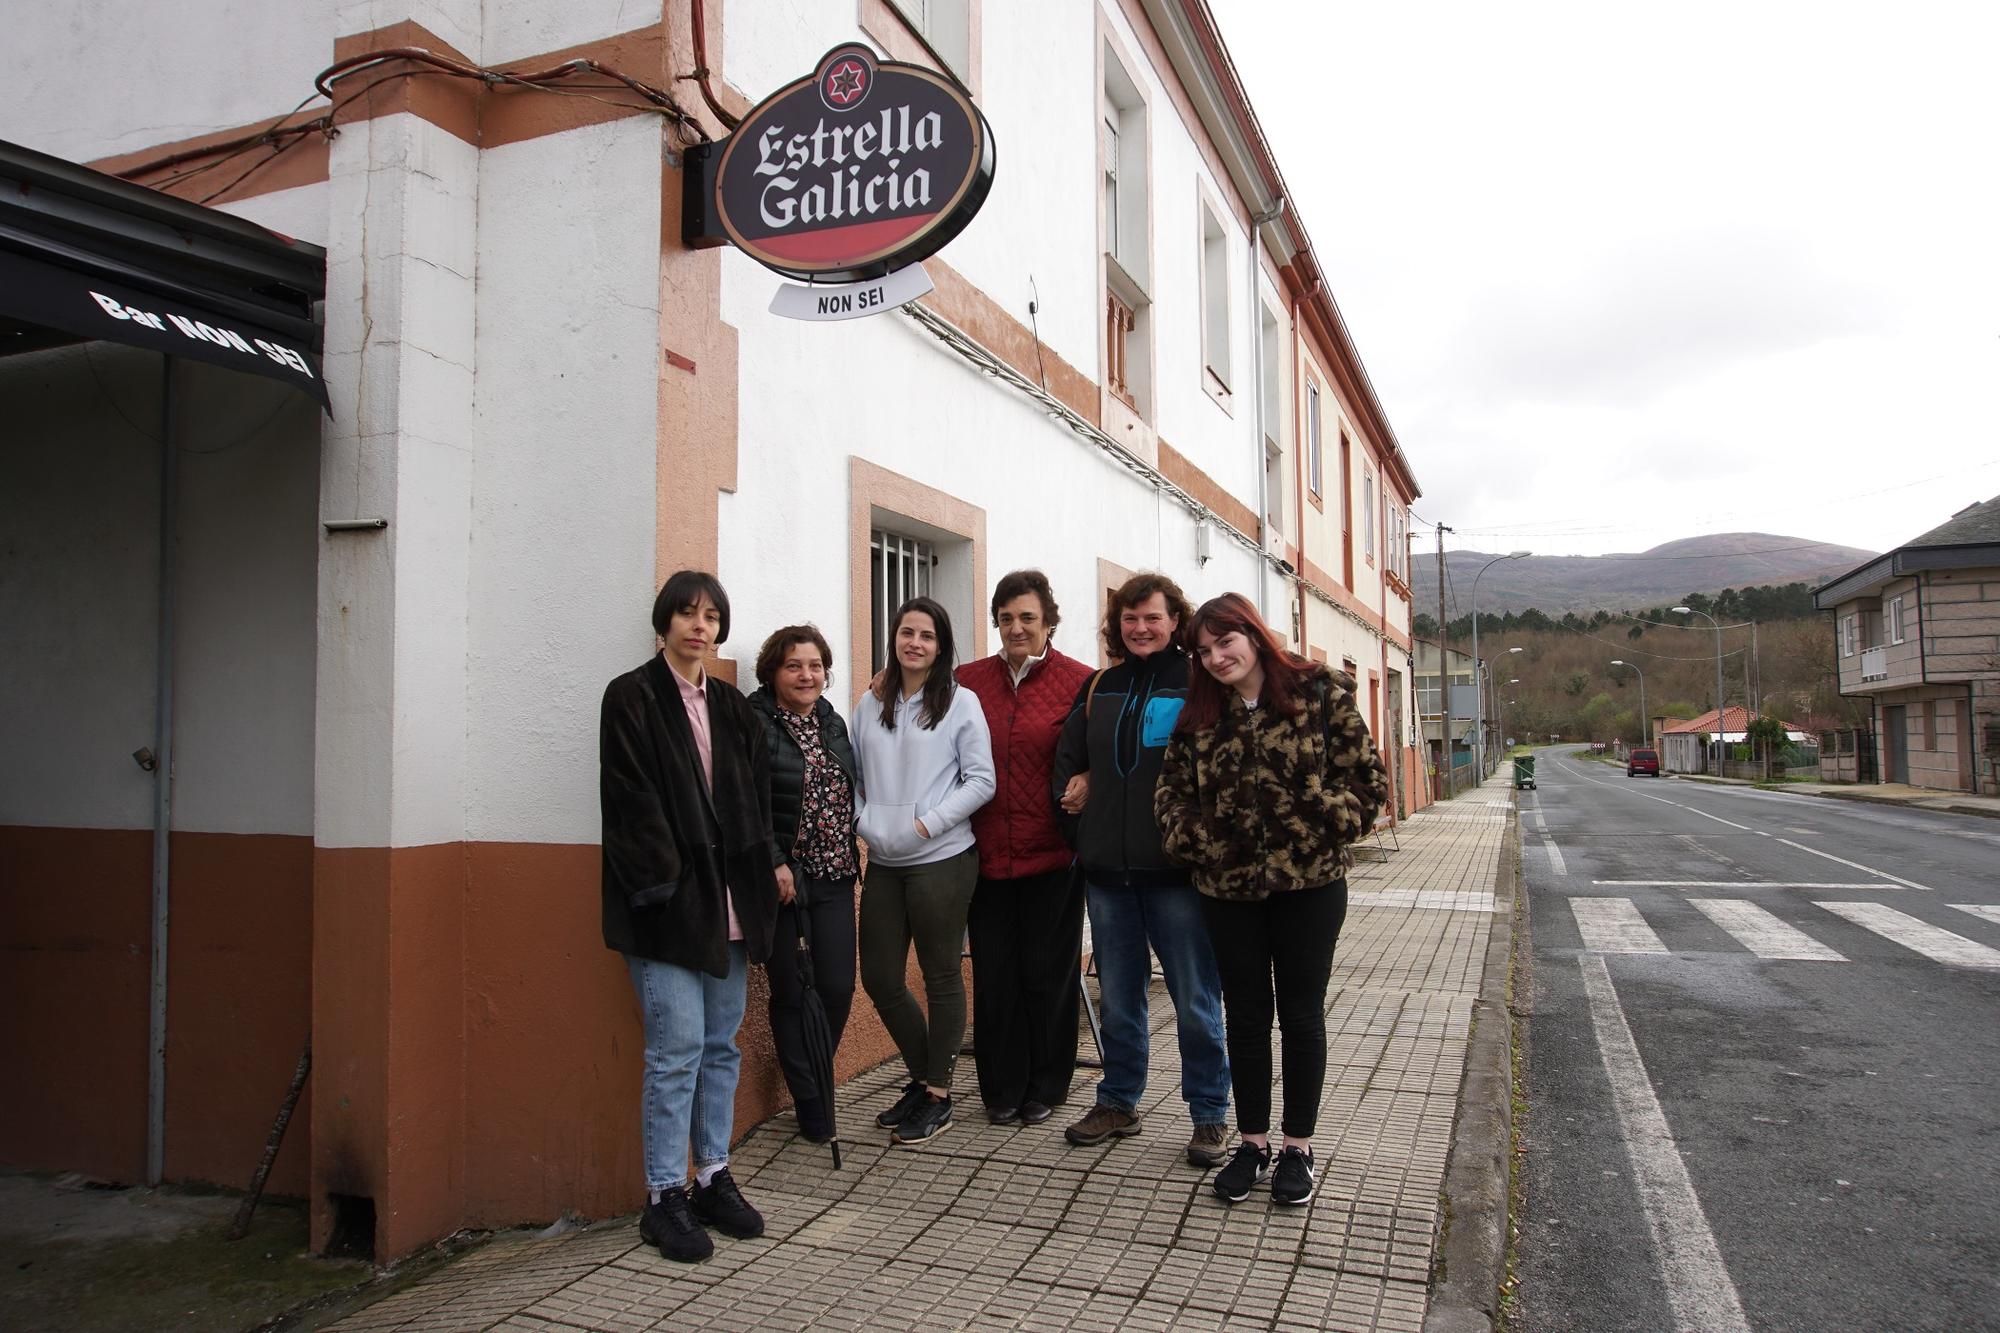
<point x="1394" y="750"/>
<point x="1255" y="303"/>
<point x="163" y="784"/>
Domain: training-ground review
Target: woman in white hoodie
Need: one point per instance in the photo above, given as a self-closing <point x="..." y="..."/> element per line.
<point x="925" y="763"/>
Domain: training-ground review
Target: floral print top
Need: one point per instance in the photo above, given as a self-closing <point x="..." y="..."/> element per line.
<point x="824" y="847"/>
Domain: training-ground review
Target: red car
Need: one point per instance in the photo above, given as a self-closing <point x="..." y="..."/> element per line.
<point x="1642" y="760"/>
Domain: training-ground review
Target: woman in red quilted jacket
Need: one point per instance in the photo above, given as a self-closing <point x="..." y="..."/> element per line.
<point x="1027" y="912"/>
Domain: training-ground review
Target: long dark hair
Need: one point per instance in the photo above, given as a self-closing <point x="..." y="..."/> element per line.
<point x="938" y="686"/>
<point x="1285" y="672"/>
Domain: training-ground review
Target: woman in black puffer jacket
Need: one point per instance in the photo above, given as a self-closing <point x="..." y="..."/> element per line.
<point x="812" y="818"/>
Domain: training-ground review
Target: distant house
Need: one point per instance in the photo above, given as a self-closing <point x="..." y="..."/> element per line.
<point x="1917" y="633"/>
<point x="1684" y="744"/>
<point x="1445" y="703"/>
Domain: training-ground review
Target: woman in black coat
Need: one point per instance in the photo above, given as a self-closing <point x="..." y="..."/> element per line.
<point x="812" y="823"/>
<point x="689" y="899"/>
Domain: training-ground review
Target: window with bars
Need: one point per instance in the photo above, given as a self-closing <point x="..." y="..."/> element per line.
<point x="899" y="568"/>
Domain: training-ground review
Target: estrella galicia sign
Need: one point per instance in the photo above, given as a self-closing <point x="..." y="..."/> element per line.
<point x="861" y="168"/>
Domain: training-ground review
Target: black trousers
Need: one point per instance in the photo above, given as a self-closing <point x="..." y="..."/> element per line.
<point x="1027" y="948"/>
<point x="829" y="905"/>
<point x="1276" y="955"/>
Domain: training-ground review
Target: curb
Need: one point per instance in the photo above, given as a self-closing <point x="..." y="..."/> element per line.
<point x="1908" y="804"/>
<point x="1473" y="1251"/>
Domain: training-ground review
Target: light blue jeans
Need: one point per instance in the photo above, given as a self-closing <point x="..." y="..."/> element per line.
<point x="1123" y="924"/>
<point x="689" y="1089"/>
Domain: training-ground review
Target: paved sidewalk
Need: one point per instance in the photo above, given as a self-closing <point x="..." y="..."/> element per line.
<point x="1013" y="1228"/>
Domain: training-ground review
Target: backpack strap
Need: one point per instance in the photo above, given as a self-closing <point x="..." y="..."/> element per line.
<point x="1091" y="693"/>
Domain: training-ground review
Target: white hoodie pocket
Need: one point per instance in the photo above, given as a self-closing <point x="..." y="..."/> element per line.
<point x="889" y="830"/>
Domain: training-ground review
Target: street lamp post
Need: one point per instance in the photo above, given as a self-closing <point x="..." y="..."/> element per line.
<point x="1645" y="721"/>
<point x="1478" y="692"/>
<point x="1720" y="719"/>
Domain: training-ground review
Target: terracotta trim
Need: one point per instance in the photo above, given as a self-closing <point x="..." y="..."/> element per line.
<point x="872" y="487"/>
<point x="1014" y="342"/>
<point x="1175" y="467"/>
<point x="481" y="115"/>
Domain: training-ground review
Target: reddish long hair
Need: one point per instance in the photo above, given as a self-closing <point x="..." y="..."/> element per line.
<point x="1285" y="672"/>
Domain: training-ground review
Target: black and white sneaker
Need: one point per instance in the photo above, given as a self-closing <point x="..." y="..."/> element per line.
<point x="1292" y="1182"/>
<point x="925" y="1123"/>
<point x="1250" y="1164"/>
<point x="670" y="1226"/>
<point x="913" y="1096"/>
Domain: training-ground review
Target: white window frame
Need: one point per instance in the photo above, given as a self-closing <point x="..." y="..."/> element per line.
<point x="1315" y="452"/>
<point x="1368" y="510"/>
<point x="1214" y="286"/>
<point x="946" y="25"/>
<point x="1848" y="633"/>
<point x="1896" y="619"/>
<point x="899" y="568"/>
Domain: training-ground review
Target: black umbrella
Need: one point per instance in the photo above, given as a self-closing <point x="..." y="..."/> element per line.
<point x="814" y="1029"/>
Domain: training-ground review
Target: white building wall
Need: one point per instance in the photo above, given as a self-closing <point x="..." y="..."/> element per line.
<point x="563" y="493"/>
<point x="96" y="78"/>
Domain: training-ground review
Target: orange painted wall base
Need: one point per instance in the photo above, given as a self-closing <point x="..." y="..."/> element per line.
<point x="76" y="926"/>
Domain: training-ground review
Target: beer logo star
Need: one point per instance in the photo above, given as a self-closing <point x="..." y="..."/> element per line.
<point x="845" y="83"/>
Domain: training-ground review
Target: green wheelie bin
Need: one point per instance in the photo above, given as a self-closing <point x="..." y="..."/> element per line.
<point x="1524" y="772"/>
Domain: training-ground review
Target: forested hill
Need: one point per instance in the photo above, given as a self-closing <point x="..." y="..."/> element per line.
<point x="1761" y="603"/>
<point x="1660" y="576"/>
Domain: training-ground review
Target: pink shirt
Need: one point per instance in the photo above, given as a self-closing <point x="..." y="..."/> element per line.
<point x="694" y="698"/>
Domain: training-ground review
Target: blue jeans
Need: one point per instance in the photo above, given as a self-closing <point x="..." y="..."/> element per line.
<point x="1123" y="922"/>
<point x="689" y="1089"/>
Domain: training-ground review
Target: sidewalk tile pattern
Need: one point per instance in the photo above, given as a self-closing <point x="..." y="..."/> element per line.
<point x="1010" y="1227"/>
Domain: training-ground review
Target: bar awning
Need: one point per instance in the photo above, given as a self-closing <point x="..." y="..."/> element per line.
<point x="87" y="256"/>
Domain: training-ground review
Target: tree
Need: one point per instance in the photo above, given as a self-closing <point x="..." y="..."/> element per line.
<point x="1578" y="682"/>
<point x="1766" y="734"/>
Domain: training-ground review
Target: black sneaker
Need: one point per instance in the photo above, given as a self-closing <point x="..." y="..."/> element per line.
<point x="670" y="1225"/>
<point x="913" y="1096"/>
<point x="1234" y="1182"/>
<point x="926" y="1122"/>
<point x="725" y="1207"/>
<point x="1292" y="1182"/>
<point x="720" y="1204"/>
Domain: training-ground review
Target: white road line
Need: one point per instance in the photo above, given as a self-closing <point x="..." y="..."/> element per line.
<point x="1763" y="934"/>
<point x="1931" y="941"/>
<point x="1555" y="857"/>
<point x="1613" y="925"/>
<point x="1856" y="865"/>
<point x="1979" y="910"/>
<point x="1697" y="1282"/>
<point x="1676" y="804"/>
<point x="1730" y="884"/>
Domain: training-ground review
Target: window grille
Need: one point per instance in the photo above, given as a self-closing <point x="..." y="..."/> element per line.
<point x="1119" y="321"/>
<point x="899" y="568"/>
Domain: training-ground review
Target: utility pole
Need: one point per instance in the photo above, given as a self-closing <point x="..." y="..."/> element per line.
<point x="1444" y="677"/>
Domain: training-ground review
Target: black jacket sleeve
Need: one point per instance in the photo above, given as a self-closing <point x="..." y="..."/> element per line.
<point x="642" y="858"/>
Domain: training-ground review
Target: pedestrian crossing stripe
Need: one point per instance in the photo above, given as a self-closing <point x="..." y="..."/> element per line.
<point x="1615" y="925"/>
<point x="1921" y="936"/>
<point x="1762" y="933"/>
<point x="1733" y="884"/>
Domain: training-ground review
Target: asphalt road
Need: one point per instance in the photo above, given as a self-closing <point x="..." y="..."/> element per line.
<point x="1763" y="1062"/>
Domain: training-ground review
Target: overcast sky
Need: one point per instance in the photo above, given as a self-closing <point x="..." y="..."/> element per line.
<point x="1623" y="274"/>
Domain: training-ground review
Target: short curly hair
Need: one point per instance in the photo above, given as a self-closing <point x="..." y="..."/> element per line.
<point x="1137" y="589"/>
<point x="1020" y="583"/>
<point x="772" y="655"/>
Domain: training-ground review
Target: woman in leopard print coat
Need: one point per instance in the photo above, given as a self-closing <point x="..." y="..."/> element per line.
<point x="1270" y="776"/>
